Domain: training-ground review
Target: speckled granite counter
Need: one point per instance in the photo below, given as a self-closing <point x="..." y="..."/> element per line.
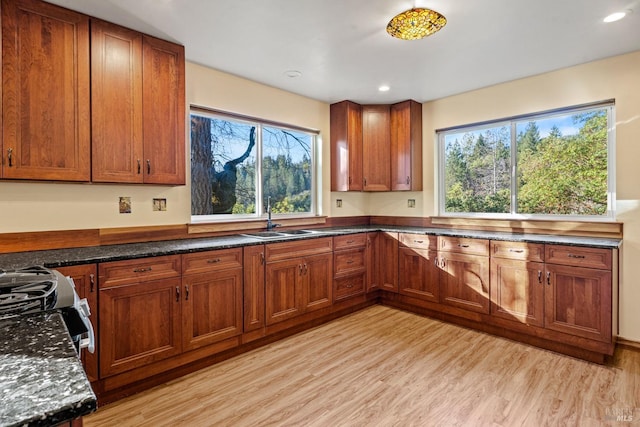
<point x="64" y="257"/>
<point x="42" y="381"/>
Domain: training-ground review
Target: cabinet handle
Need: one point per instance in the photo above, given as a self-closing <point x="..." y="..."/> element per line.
<point x="213" y="261"/>
<point x="10" y="156"/>
<point x="349" y="285"/>
<point x="539" y="276"/>
<point x="460" y="245"/>
<point x="408" y="180"/>
<point x="444" y="261"/>
<point x="349" y="242"/>
<point x="350" y="180"/>
<point x="300" y="268"/>
<point x="368" y="242"/>
<point x="92" y="282"/>
<point x="306" y="268"/>
<point x="576" y="256"/>
<point x="436" y="262"/>
<point x="365" y="182"/>
<point x="261" y="258"/>
<point x="177" y="293"/>
<point x="418" y="241"/>
<point x="518" y="251"/>
<point x="148" y="167"/>
<point x="139" y="167"/>
<point x="350" y="261"/>
<point x="142" y="269"/>
<point x="186" y="292"/>
<point x="549" y="278"/>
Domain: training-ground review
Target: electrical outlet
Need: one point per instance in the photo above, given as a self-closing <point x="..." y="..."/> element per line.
<point x="124" y="205"/>
<point x="411" y="203"/>
<point x="338" y="203"/>
<point x="159" y="204"/>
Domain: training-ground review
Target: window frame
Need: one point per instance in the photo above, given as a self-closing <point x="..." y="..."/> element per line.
<point x="512" y="123"/>
<point x="260" y="213"/>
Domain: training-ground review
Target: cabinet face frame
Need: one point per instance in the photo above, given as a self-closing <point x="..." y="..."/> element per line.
<point x="418" y="274"/>
<point x="406" y="146"/>
<point x="346" y="146"/>
<point x="376" y="151"/>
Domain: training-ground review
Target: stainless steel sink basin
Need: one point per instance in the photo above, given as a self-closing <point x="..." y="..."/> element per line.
<point x="297" y="232"/>
<point x="277" y="234"/>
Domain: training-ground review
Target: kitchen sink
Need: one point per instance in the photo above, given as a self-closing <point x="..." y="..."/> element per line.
<point x="297" y="232"/>
<point x="277" y="234"/>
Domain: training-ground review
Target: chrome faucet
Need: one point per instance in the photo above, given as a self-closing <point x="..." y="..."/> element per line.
<point x="270" y="224"/>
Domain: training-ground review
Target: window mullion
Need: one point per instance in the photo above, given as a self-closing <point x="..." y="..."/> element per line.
<point x="514" y="169"/>
<point x="259" y="190"/>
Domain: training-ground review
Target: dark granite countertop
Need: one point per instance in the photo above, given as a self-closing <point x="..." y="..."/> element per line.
<point x="42" y="381"/>
<point x="64" y="257"/>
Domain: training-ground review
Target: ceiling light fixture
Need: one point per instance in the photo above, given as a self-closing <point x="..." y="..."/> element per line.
<point x="416" y="23"/>
<point x="384" y="88"/>
<point x="293" y="74"/>
<point x="615" y="17"/>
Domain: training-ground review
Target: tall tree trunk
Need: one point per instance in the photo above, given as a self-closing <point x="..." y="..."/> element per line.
<point x="201" y="166"/>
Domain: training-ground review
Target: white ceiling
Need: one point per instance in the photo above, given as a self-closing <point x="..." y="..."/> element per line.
<point x="343" y="51"/>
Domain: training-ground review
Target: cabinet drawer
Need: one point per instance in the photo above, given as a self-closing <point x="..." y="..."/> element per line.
<point x="349" y="261"/>
<point x="518" y="250"/>
<point x="463" y="245"/>
<point x="418" y="241"/>
<point x="119" y="273"/>
<point x="349" y="241"/>
<point x="202" y="262"/>
<point x="297" y="249"/>
<point x="578" y="256"/>
<point x="348" y="286"/>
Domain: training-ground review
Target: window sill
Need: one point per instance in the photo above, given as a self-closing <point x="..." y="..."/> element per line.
<point x="253" y="224"/>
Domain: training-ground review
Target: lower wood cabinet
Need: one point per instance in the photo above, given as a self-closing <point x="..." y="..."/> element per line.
<point x="253" y="285"/>
<point x="155" y="308"/>
<point x="418" y="273"/>
<point x="350" y="260"/>
<point x="85" y="278"/>
<point x="388" y="266"/>
<point x="298" y="278"/>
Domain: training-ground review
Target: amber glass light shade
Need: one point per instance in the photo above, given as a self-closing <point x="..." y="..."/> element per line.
<point x="415" y="24"/>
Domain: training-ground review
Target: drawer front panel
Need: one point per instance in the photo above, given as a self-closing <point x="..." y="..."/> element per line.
<point x="348" y="286"/>
<point x="518" y="250"/>
<point x="203" y="262"/>
<point x="349" y="261"/>
<point x="349" y="241"/>
<point x="119" y="273"/>
<point x="578" y="256"/>
<point x="463" y="245"/>
<point x="418" y="241"/>
<point x="297" y="249"/>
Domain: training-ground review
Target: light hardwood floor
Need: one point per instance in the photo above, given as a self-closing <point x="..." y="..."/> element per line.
<point x="385" y="367"/>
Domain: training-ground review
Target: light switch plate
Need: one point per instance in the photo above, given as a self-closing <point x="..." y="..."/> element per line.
<point x="411" y="203"/>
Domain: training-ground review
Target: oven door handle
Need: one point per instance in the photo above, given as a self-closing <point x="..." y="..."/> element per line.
<point x="90" y="342"/>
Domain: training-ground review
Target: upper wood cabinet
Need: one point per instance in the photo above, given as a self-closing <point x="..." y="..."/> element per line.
<point x="45" y="92"/>
<point x="376" y="147"/>
<point x="406" y="146"/>
<point x="376" y="123"/>
<point x="346" y="146"/>
<point x="138" y="111"/>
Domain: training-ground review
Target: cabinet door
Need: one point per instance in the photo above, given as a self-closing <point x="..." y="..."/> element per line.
<point x="373" y="262"/>
<point x="211" y="308"/>
<point x="163" y="106"/>
<point x="139" y="324"/>
<point x="317" y="282"/>
<point x="376" y="172"/>
<point x="283" y="297"/>
<point x="418" y="274"/>
<point x="116" y="103"/>
<point x="406" y="146"/>
<point x="346" y="146"/>
<point x="84" y="277"/>
<point x="45" y="92"/>
<point x="464" y="281"/>
<point x="254" y="276"/>
<point x="517" y="290"/>
<point x="388" y="267"/>
<point x="578" y="301"/>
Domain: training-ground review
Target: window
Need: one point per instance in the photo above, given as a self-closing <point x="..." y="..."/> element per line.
<point x="554" y="164"/>
<point x="237" y="164"/>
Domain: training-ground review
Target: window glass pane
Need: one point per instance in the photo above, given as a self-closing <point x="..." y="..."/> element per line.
<point x="477" y="170"/>
<point x="286" y="169"/>
<point x="562" y="164"/>
<point x="223" y="166"/>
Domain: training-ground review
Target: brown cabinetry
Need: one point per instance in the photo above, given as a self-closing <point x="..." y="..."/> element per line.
<point x="137" y="88"/>
<point x="346" y="146"/>
<point x="373" y="261"/>
<point x="350" y="265"/>
<point x="388" y="267"/>
<point x="254" y="278"/>
<point x="418" y="274"/>
<point x="45" y="92"/>
<point x="298" y="278"/>
<point x="376" y="147"/>
<point x="85" y="279"/>
<point x="376" y="134"/>
<point x="464" y="273"/>
<point x="406" y="146"/>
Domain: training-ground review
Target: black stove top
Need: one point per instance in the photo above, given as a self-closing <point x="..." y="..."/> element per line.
<point x="27" y="290"/>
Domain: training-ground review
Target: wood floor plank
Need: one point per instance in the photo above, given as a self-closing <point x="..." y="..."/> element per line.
<point x="386" y="367"/>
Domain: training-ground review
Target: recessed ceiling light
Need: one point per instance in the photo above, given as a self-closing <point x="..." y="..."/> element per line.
<point x="615" y="16"/>
<point x="384" y="88"/>
<point x="292" y="74"/>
